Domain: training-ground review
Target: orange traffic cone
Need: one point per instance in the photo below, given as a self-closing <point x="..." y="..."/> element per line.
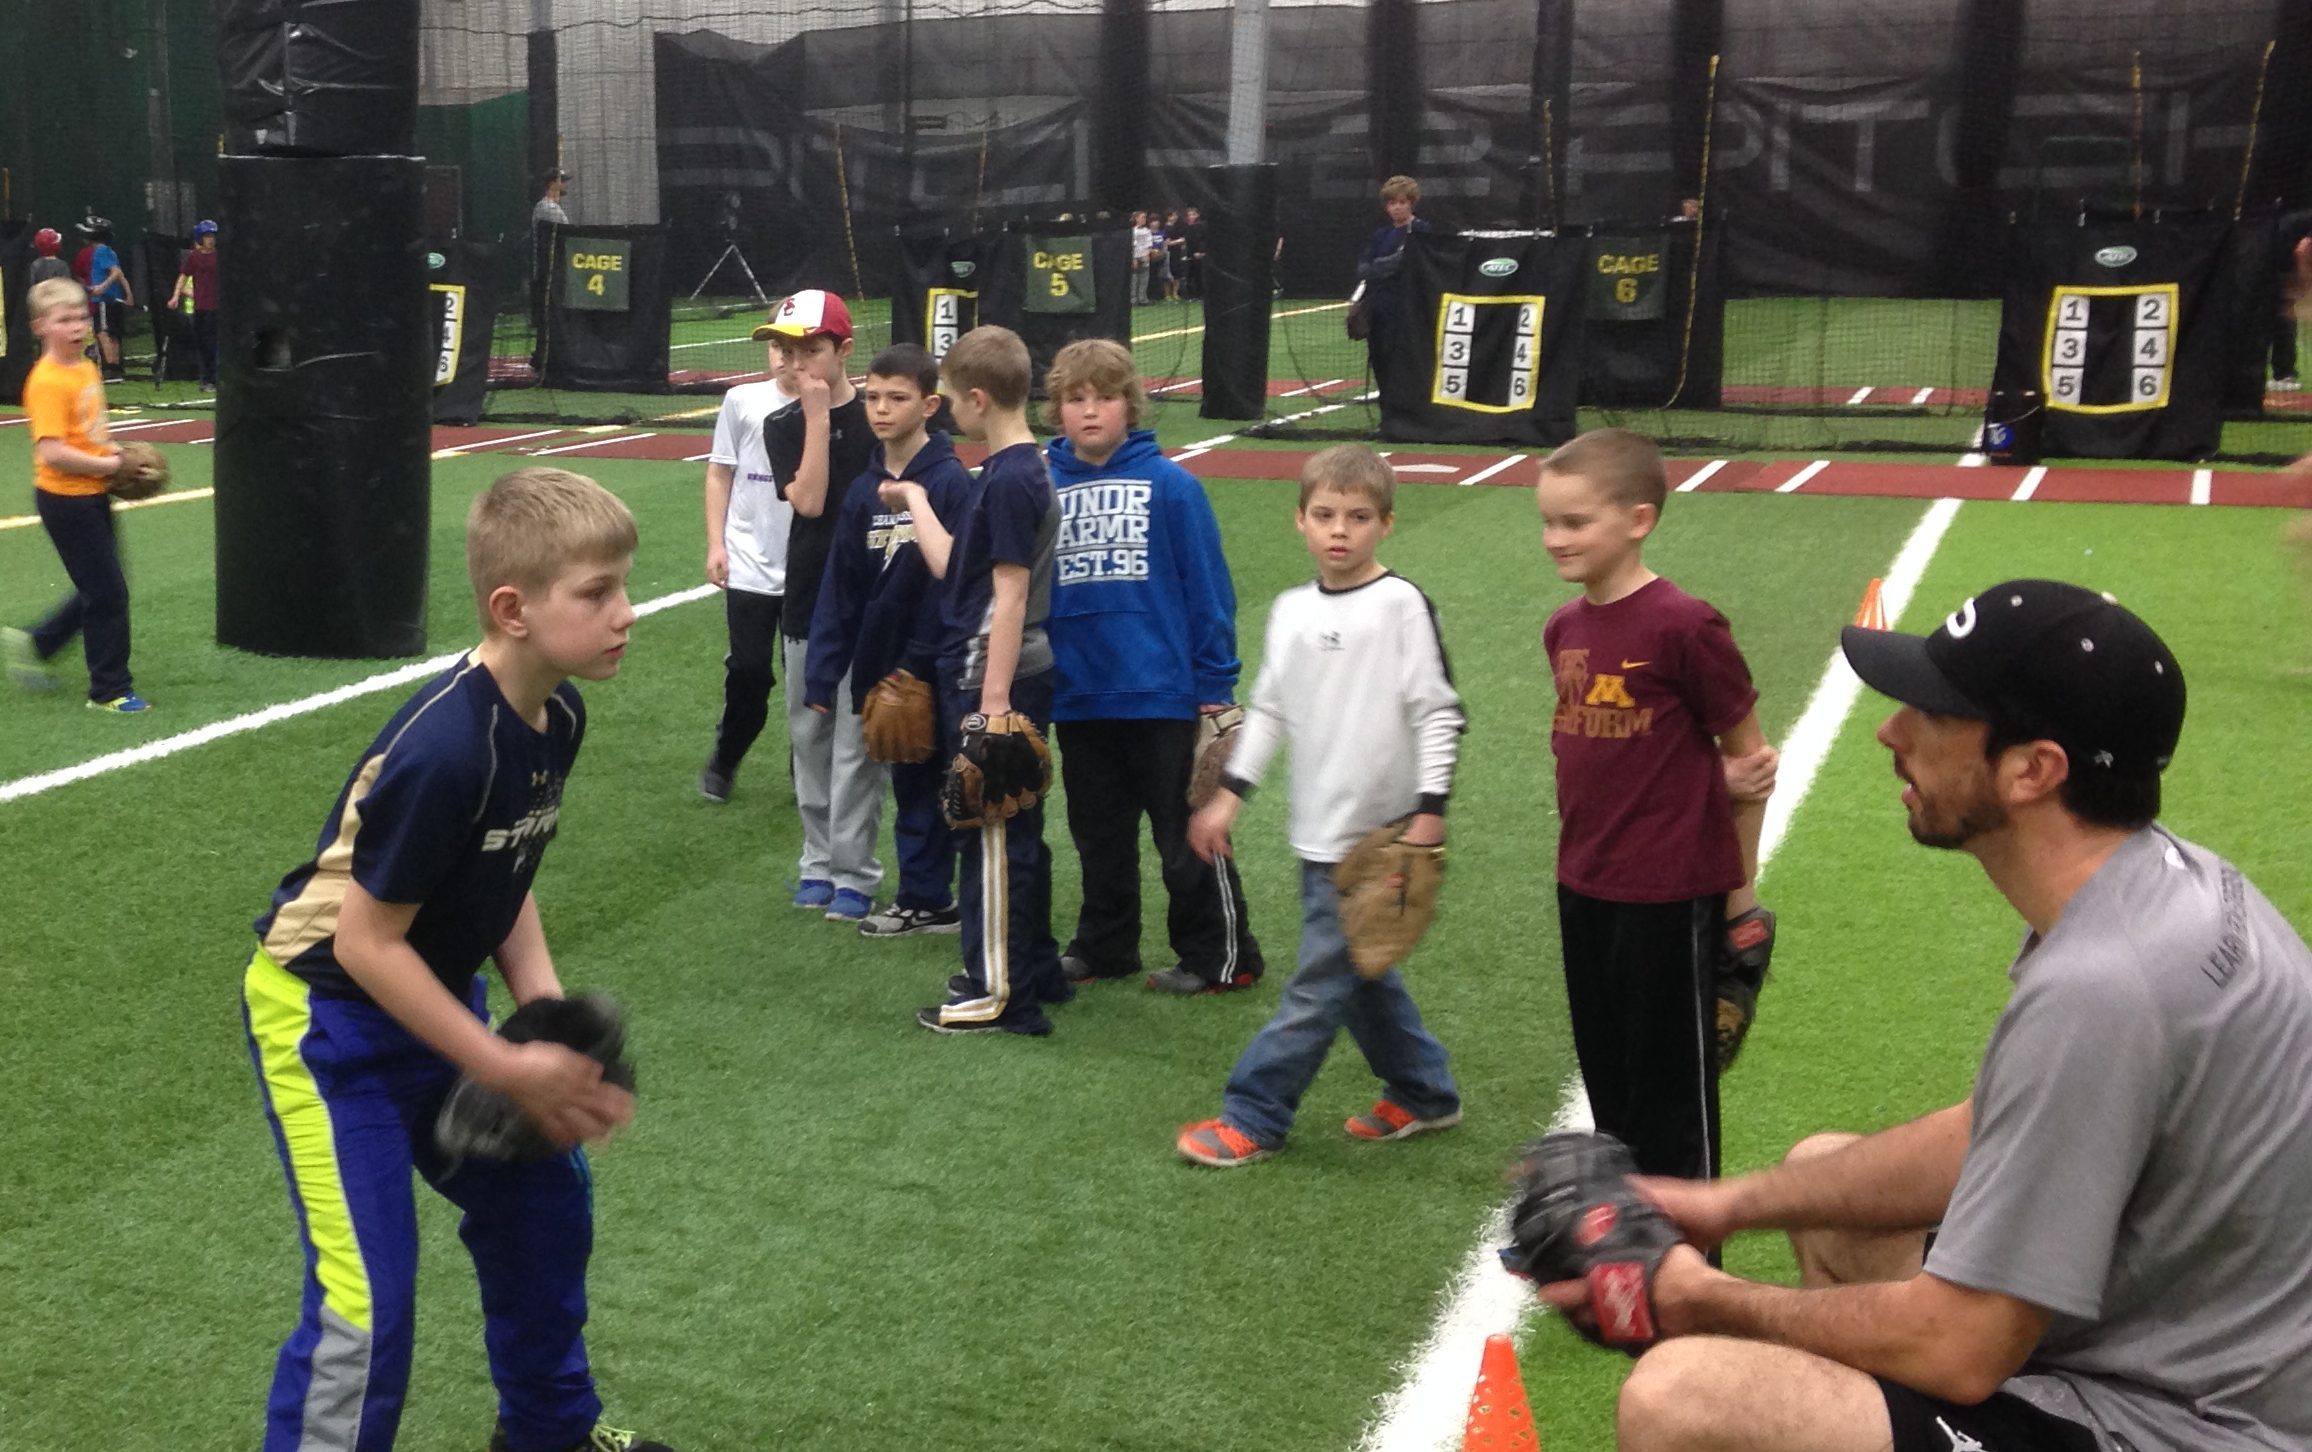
<point x="1499" y="1419"/>
<point x="1872" y="613"/>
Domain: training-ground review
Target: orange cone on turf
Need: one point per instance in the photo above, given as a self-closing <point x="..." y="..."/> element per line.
<point x="1872" y="613"/>
<point x="1499" y="1419"/>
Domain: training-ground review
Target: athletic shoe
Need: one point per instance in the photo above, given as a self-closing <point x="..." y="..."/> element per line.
<point x="2286" y="383"/>
<point x="1079" y="970"/>
<point x="129" y="705"/>
<point x="814" y="893"/>
<point x="849" y="907"/>
<point x="25" y="667"/>
<point x="1183" y="982"/>
<point x="604" y="1438"/>
<point x="1036" y="1027"/>
<point x="906" y="922"/>
<point x="1218" y="1143"/>
<point x="1390" y="1120"/>
<point x="714" y="781"/>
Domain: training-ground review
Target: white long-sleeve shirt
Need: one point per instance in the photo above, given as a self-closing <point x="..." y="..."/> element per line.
<point x="1356" y="681"/>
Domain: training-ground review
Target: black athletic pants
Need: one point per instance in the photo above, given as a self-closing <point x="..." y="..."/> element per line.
<point x="747" y="674"/>
<point x="1116" y="772"/>
<point x="1638" y="979"/>
<point x="80" y="526"/>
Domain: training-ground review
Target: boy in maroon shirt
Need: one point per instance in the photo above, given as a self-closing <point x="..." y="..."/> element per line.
<point x="1662" y="778"/>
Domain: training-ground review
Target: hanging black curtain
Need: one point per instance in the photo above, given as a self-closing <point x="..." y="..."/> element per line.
<point x="1697" y="32"/>
<point x="1552" y="78"/>
<point x="1989" y="65"/>
<point x="1393" y="86"/>
<point x="1120" y="109"/>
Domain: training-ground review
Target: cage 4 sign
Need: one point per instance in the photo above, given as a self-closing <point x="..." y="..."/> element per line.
<point x="1059" y="276"/>
<point x="594" y="273"/>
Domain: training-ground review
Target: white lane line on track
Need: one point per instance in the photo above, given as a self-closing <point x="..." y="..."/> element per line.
<point x="1186" y="454"/>
<point x="2203" y="485"/>
<point x="1426" y="1413"/>
<point x="1922" y="395"/>
<point x="48" y="781"/>
<point x="1791" y="485"/>
<point x="1694" y="480"/>
<point x="1492" y="469"/>
<point x="2030" y="484"/>
<point x="178" y="496"/>
<point x="455" y="450"/>
<point x="590" y="444"/>
<point x="1859" y="395"/>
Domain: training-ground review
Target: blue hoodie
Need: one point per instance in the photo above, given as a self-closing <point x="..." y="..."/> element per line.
<point x="878" y="608"/>
<point x="1143" y="621"/>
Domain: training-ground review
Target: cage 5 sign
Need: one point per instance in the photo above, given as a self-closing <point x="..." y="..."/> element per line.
<point x="594" y="273"/>
<point x="1059" y="276"/>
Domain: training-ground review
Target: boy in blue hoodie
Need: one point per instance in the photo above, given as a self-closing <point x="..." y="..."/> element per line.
<point x="879" y="615"/>
<point x="1144" y="638"/>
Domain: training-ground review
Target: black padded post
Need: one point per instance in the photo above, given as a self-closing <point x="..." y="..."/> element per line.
<point x="1239" y="263"/>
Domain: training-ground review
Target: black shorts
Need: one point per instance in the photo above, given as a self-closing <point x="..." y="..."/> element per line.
<point x="2003" y="1422"/>
<point x="112" y="317"/>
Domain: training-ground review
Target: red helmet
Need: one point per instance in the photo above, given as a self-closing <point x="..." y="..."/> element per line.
<point x="48" y="239"/>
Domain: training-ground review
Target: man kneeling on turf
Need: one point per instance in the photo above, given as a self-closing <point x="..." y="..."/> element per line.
<point x="2104" y="1248"/>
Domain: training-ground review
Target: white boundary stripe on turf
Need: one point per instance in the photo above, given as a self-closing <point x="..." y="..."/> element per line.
<point x="2030" y="484"/>
<point x="456" y="450"/>
<point x="47" y="781"/>
<point x="2203" y="485"/>
<point x="1492" y="469"/>
<point x="1694" y="480"/>
<point x="590" y="444"/>
<point x="1792" y="484"/>
<point x="176" y="496"/>
<point x="1427" y="1413"/>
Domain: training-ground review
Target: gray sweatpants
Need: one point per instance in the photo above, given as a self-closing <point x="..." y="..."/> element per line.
<point x="838" y="790"/>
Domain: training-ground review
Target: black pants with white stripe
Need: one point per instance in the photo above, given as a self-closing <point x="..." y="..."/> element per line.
<point x="1638" y="979"/>
<point x="1115" y="773"/>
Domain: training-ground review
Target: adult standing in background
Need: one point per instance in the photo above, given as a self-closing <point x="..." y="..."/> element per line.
<point x="1380" y="270"/>
<point x="547" y="214"/>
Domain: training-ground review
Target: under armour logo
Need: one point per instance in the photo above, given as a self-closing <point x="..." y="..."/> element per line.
<point x="2103" y="758"/>
<point x="1328" y="640"/>
<point x="1960" y="1441"/>
<point x="1960" y="623"/>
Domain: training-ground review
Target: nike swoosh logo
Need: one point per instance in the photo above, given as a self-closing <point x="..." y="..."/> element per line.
<point x="1631" y="665"/>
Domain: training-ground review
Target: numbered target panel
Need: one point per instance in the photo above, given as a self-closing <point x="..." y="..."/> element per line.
<point x="2110" y="349"/>
<point x="948" y="314"/>
<point x="1488" y="352"/>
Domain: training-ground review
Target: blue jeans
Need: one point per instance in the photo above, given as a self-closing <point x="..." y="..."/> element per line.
<point x="1325" y="996"/>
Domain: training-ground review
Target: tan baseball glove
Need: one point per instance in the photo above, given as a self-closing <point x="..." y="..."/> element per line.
<point x="1388" y="889"/>
<point x="142" y="473"/>
<point x="897" y="718"/>
<point x="1215" y="739"/>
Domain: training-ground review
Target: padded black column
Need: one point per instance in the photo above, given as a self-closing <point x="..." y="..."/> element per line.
<point x="319" y="77"/>
<point x="1120" y="109"/>
<point x="1393" y="86"/>
<point x="1239" y="262"/>
<point x="323" y="410"/>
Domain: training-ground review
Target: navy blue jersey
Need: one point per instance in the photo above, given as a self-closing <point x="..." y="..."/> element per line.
<point x="810" y="538"/>
<point x="450" y="808"/>
<point x="879" y="605"/>
<point x="1013" y="519"/>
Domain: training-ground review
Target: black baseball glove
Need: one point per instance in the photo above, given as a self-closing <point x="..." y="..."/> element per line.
<point x="1001" y="769"/>
<point x="1578" y="1218"/>
<point x="484" y="1124"/>
<point x="1743" y="958"/>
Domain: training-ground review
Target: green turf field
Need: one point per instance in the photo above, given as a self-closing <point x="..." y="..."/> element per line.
<point x="830" y="1229"/>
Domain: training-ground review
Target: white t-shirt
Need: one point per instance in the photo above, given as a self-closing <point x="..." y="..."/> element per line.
<point x="755" y="530"/>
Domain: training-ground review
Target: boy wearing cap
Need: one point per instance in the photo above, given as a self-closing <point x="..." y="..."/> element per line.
<point x="818" y="448"/>
<point x="1658" y="840"/>
<point x="109" y="294"/>
<point x="197" y="286"/>
<point x="2119" y="1249"/>
<point x="45" y="263"/>
<point x="746" y="558"/>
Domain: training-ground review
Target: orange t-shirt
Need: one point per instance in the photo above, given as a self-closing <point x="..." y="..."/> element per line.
<point x="66" y="401"/>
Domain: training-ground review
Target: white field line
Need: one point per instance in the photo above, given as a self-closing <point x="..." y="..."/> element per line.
<point x="1214" y="442"/>
<point x="1186" y="454"/>
<point x="26" y="521"/>
<point x="149" y="423"/>
<point x="590" y="444"/>
<point x="1328" y="408"/>
<point x="1427" y="1412"/>
<point x="1922" y="395"/>
<point x="480" y="444"/>
<point x="2030" y="484"/>
<point x="1312" y="388"/>
<point x="47" y="781"/>
<point x="1195" y="328"/>
<point x="2203" y="482"/>
<point x="694" y="458"/>
<point x="1174" y="387"/>
<point x="1859" y="395"/>
<point x="1492" y="469"/>
<point x="1972" y="459"/>
<point x="1694" y="481"/>
<point x="1791" y="485"/>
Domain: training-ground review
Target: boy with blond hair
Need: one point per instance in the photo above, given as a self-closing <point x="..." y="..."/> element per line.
<point x="1354" y="677"/>
<point x="364" y="1002"/>
<point x="1662" y="778"/>
<point x="73" y="460"/>
<point x="994" y="559"/>
<point x="1144" y="640"/>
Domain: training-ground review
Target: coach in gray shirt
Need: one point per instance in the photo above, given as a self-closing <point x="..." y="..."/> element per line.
<point x="2108" y="1246"/>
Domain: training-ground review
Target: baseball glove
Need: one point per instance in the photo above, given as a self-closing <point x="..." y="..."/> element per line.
<point x="1215" y="740"/>
<point x="897" y="718"/>
<point x="1742" y="961"/>
<point x="142" y="473"/>
<point x="1577" y="1218"/>
<point x="484" y="1124"/>
<point x="1388" y="891"/>
<point x="1001" y="769"/>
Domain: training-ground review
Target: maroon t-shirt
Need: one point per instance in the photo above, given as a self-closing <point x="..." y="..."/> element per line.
<point x="202" y="268"/>
<point x="1645" y="686"/>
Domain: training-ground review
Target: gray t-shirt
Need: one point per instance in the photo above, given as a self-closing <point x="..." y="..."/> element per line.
<point x="2141" y="1160"/>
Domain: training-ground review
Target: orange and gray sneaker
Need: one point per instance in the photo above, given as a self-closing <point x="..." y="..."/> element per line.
<point x="1218" y="1143"/>
<point x="1388" y="1119"/>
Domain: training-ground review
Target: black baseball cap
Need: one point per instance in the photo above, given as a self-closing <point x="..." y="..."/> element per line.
<point x="2040" y="656"/>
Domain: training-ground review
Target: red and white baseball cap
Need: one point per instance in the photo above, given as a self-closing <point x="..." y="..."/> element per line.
<point x="810" y="313"/>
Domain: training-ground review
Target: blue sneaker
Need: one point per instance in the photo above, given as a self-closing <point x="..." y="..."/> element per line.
<point x="129" y="705"/>
<point x="813" y="893"/>
<point x="849" y="907"/>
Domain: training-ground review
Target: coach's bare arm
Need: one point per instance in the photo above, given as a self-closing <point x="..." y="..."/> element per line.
<point x="1900" y="1178"/>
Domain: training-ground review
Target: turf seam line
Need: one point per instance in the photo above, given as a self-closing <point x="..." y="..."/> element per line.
<point x="30" y="786"/>
<point x="1426" y="1413"/>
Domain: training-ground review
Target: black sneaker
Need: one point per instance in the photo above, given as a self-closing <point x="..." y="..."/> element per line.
<point x="714" y="781"/>
<point x="1183" y="982"/>
<point x="604" y="1438"/>
<point x="906" y="922"/>
<point x="1077" y="970"/>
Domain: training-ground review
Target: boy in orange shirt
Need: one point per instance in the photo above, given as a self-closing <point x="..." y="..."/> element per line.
<point x="72" y="458"/>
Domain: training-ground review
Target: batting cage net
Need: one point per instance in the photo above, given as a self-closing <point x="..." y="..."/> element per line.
<point x="1763" y="225"/>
